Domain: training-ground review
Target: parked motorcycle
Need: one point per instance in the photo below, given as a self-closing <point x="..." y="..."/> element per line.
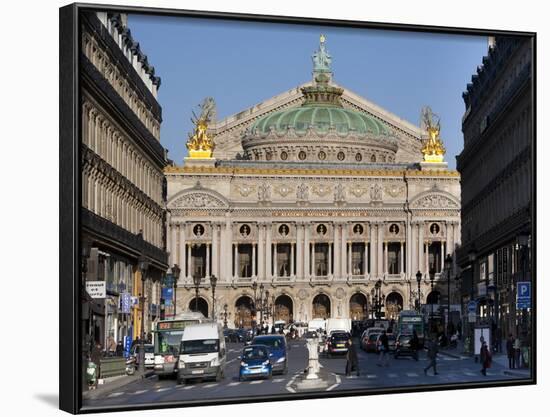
<point x="131" y="365"/>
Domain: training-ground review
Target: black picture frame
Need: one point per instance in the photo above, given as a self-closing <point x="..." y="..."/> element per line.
<point x="70" y="289"/>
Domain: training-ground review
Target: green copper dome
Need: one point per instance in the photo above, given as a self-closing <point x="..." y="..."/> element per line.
<point x="320" y="117"/>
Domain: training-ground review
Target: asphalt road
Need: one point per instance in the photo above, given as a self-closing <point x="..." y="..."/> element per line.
<point x="400" y="372"/>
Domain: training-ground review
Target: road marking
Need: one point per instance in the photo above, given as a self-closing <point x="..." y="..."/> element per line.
<point x="141" y="391"/>
<point x="162" y="389"/>
<point x="233" y="384"/>
<point x="210" y="385"/>
<point x="392" y="375"/>
<point x="371" y="376"/>
<point x="338" y="382"/>
<point x="114" y="394"/>
<point x="470" y="373"/>
<point x="412" y="374"/>
<point x="279" y="380"/>
<point x="232" y="360"/>
<point x="259" y="381"/>
<point x="189" y="387"/>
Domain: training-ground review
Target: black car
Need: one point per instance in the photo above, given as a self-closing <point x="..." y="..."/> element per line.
<point x="403" y="345"/>
<point x="232" y="336"/>
<point x="337" y="343"/>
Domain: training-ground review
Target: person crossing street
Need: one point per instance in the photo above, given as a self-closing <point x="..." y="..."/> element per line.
<point x="384" y="349"/>
<point x="352" y="362"/>
<point x="432" y="356"/>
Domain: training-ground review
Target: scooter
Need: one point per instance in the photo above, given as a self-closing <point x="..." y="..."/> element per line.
<point x="131" y="365"/>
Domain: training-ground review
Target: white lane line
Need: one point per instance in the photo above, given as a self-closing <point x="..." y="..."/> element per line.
<point x="279" y="380"/>
<point x="210" y="385"/>
<point x="412" y="374"/>
<point x="141" y="391"/>
<point x="258" y="381"/>
<point x="162" y="389"/>
<point x="233" y="384"/>
<point x="470" y="373"/>
<point x="114" y="394"/>
<point x="392" y="375"/>
<point x="189" y="387"/>
<point x="338" y="381"/>
<point x="232" y="360"/>
<point x="371" y="376"/>
<point x="288" y="385"/>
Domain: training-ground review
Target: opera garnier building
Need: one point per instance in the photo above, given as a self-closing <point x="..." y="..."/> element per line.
<point x="315" y="203"/>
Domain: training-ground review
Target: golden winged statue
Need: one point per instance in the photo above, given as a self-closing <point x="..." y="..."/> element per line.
<point x="433" y="149"/>
<point x="199" y="144"/>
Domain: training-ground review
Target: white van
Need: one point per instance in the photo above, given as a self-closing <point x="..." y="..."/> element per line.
<point x="316" y="324"/>
<point x="338" y="325"/>
<point x="202" y="352"/>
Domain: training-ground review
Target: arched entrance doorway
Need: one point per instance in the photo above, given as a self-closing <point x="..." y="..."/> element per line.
<point x="200" y="305"/>
<point x="243" y="312"/>
<point x="321" y="307"/>
<point x="358" y="307"/>
<point x="284" y="308"/>
<point x="433" y="297"/>
<point x="394" y="304"/>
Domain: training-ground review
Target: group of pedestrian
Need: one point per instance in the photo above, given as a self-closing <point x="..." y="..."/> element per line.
<point x="513" y="350"/>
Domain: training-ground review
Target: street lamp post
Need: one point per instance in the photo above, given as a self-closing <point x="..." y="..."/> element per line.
<point x="175" y="277"/>
<point x="225" y="316"/>
<point x="418" y="280"/>
<point x="143" y="267"/>
<point x="262" y="305"/>
<point x="197" y="282"/>
<point x="523" y="241"/>
<point x="432" y="278"/>
<point x="254" y="311"/>
<point x="448" y="265"/>
<point x="213" y="281"/>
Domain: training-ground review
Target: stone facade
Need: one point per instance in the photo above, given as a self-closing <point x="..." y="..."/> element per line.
<point x="316" y="232"/>
<point x="497" y="179"/>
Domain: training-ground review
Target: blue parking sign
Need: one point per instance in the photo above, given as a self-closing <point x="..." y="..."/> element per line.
<point x="523" y="295"/>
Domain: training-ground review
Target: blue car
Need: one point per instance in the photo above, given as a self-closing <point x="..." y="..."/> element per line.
<point x="277" y="351"/>
<point x="255" y="362"/>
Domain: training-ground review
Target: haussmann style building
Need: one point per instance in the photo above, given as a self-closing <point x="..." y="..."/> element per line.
<point x="315" y="203"/>
<point x="123" y="186"/>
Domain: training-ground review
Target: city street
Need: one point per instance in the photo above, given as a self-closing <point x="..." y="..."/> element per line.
<point x="400" y="372"/>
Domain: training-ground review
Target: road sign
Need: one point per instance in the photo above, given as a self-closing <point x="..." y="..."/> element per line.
<point x="126" y="302"/>
<point x="523" y="295"/>
<point x="472" y="307"/>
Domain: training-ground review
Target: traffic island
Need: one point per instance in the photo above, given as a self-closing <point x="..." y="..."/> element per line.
<point x="321" y="381"/>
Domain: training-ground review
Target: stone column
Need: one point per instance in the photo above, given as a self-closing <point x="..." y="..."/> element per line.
<point x="421" y="247"/>
<point x="236" y="260"/>
<point x="442" y="255"/>
<point x="380" y="250"/>
<point x="313" y="271"/>
<point x="261" y="250"/>
<point x="427" y="258"/>
<point x="401" y="264"/>
<point x="350" y="270"/>
<point x="207" y="275"/>
<point x="329" y="258"/>
<point x="226" y="260"/>
<point x="336" y="233"/>
<point x="190" y="261"/>
<point x="215" y="250"/>
<point x="365" y="258"/>
<point x="385" y="257"/>
<point x="174" y="248"/>
<point x="275" y="265"/>
<point x="254" y="259"/>
<point x="168" y="236"/>
<point x="307" y="270"/>
<point x="449" y="238"/>
<point x="268" y="252"/>
<point x="183" y="245"/>
<point x="299" y="250"/>
<point x="343" y="253"/>
<point x="372" y="271"/>
<point x="408" y="238"/>
<point x="292" y="272"/>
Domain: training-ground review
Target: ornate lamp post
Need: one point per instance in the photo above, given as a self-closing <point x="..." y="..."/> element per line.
<point x="175" y="277"/>
<point x="143" y="267"/>
<point x="432" y="278"/>
<point x="225" y="316"/>
<point x="197" y="282"/>
<point x="378" y="298"/>
<point x="213" y="281"/>
<point x="262" y="304"/>
<point x="418" y="280"/>
<point x="266" y="305"/>
<point x="448" y="266"/>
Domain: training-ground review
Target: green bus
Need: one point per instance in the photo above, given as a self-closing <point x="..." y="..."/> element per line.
<point x="410" y="320"/>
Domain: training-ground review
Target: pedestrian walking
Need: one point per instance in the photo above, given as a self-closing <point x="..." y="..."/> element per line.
<point x="415" y="344"/>
<point x="432" y="356"/>
<point x="352" y="362"/>
<point x="485" y="357"/>
<point x="510" y="352"/>
<point x="111" y="346"/>
<point x="517" y="351"/>
<point x="384" y="348"/>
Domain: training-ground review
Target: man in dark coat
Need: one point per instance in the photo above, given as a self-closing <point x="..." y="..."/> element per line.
<point x="415" y="344"/>
<point x="485" y="357"/>
<point x="510" y="352"/>
<point x="351" y="359"/>
<point x="432" y="356"/>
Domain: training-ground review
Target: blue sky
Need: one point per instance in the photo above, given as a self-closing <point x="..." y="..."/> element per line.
<point x="242" y="63"/>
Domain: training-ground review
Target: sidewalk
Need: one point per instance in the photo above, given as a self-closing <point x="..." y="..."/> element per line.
<point x="112" y="384"/>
